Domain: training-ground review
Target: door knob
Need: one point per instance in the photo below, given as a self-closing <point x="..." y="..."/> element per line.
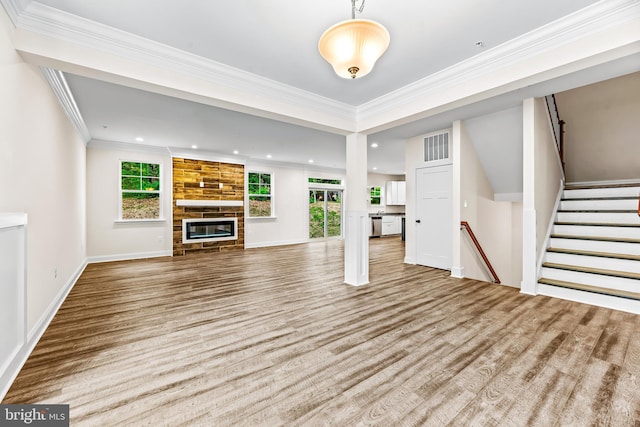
<point x="418" y="221"/>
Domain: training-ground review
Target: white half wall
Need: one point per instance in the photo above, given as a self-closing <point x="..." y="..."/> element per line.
<point x="108" y="239"/>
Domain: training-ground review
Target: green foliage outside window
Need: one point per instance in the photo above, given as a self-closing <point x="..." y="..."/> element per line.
<point x="140" y="190"/>
<point x="325" y="181"/>
<point x="259" y="194"/>
<point x="375" y="195"/>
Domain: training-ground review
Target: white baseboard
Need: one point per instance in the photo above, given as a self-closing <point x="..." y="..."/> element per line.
<point x="275" y="243"/>
<point x="12" y="371"/>
<point x="126" y="257"/>
<point x="409" y="260"/>
<point x="457" y="272"/>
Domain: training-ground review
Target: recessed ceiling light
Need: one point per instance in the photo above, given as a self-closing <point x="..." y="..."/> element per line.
<point x="139" y="139"/>
<point x="310" y="160"/>
<point x="269" y="156"/>
<point x="236" y="152"/>
<point x="374" y="145"/>
<point x="375" y="168"/>
<point x="194" y="146"/>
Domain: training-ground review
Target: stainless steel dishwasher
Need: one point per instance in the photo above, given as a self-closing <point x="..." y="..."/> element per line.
<point x="376" y="226"/>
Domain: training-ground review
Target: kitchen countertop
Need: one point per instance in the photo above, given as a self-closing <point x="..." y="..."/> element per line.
<point x="386" y="214"/>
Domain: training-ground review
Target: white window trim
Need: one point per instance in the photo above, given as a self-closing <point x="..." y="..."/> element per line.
<point x="271" y="195"/>
<point x="161" y="217"/>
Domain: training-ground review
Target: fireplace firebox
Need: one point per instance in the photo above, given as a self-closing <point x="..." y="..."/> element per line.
<point x="209" y="230"/>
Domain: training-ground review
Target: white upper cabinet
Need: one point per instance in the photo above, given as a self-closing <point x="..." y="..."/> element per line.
<point x="396" y="192"/>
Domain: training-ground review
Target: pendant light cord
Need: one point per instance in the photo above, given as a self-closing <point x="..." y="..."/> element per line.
<point x="353" y="8"/>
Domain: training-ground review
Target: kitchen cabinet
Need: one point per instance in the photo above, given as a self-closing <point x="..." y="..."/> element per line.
<point x="391" y="224"/>
<point x="396" y="192"/>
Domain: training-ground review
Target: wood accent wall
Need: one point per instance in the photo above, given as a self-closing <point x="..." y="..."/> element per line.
<point x="187" y="175"/>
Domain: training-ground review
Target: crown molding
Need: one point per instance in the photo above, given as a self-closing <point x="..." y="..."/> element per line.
<point x="580" y="24"/>
<point x="13" y="8"/>
<point x="61" y="89"/>
<point x="374" y="115"/>
<point x="54" y="23"/>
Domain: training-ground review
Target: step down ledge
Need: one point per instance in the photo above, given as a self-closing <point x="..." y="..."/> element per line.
<point x="590" y="288"/>
<point x="600" y="271"/>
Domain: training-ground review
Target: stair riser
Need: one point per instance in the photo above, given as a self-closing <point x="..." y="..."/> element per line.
<point x="607" y="218"/>
<point x="617" y="283"/>
<point x="597" y="231"/>
<point x="601" y="192"/>
<point x="599" y="205"/>
<point x="616" y="303"/>
<point x="626" y="265"/>
<point x="596" y="246"/>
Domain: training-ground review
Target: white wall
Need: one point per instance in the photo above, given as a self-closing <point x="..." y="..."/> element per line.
<point x="494" y="223"/>
<point x="602" y="128"/>
<point x="42" y="173"/>
<point x="413" y="151"/>
<point x="108" y="239"/>
<point x="291" y="197"/>
<point x="549" y="178"/>
<point x="542" y="182"/>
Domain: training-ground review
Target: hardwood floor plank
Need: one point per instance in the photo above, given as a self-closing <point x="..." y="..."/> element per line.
<point x="272" y="336"/>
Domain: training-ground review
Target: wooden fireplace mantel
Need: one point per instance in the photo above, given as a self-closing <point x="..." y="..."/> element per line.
<point x="214" y="203"/>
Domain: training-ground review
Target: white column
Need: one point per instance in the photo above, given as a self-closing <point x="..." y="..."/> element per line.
<point x="529" y="251"/>
<point x="356" y="235"/>
<point x="456" y="257"/>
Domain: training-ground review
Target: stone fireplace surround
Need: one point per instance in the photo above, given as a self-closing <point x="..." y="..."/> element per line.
<point x="191" y="201"/>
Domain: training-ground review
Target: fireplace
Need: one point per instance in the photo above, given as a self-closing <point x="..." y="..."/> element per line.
<point x="209" y="229"/>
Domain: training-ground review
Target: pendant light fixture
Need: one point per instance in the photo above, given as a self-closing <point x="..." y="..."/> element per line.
<point x="352" y="47"/>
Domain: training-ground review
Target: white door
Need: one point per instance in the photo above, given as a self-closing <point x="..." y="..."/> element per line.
<point x="433" y="216"/>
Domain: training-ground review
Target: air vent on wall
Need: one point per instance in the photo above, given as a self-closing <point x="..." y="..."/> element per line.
<point x="436" y="147"/>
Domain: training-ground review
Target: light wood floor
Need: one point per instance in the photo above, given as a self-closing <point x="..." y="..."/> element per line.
<point x="273" y="337"/>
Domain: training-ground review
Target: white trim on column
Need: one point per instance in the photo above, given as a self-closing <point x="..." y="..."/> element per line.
<point x="356" y="248"/>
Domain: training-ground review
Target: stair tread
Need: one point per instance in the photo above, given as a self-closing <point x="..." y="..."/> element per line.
<point x="590" y="288"/>
<point x="598" y="224"/>
<point x="594" y="253"/>
<point x="594" y="198"/>
<point x="597" y="238"/>
<point x="599" y="186"/>
<point x="597" y="210"/>
<point x="601" y="271"/>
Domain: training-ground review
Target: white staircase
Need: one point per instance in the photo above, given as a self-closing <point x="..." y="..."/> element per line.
<point x="594" y="248"/>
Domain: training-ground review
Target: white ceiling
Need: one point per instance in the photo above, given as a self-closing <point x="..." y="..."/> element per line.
<point x="277" y="40"/>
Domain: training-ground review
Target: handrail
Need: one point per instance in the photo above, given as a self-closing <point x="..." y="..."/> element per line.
<point x="559" y="135"/>
<point x="466" y="226"/>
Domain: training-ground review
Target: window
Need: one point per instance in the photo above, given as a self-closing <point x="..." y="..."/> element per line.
<point x="260" y="192"/>
<point x="375" y="195"/>
<point x="325" y="181"/>
<point x="139" y="190"/>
